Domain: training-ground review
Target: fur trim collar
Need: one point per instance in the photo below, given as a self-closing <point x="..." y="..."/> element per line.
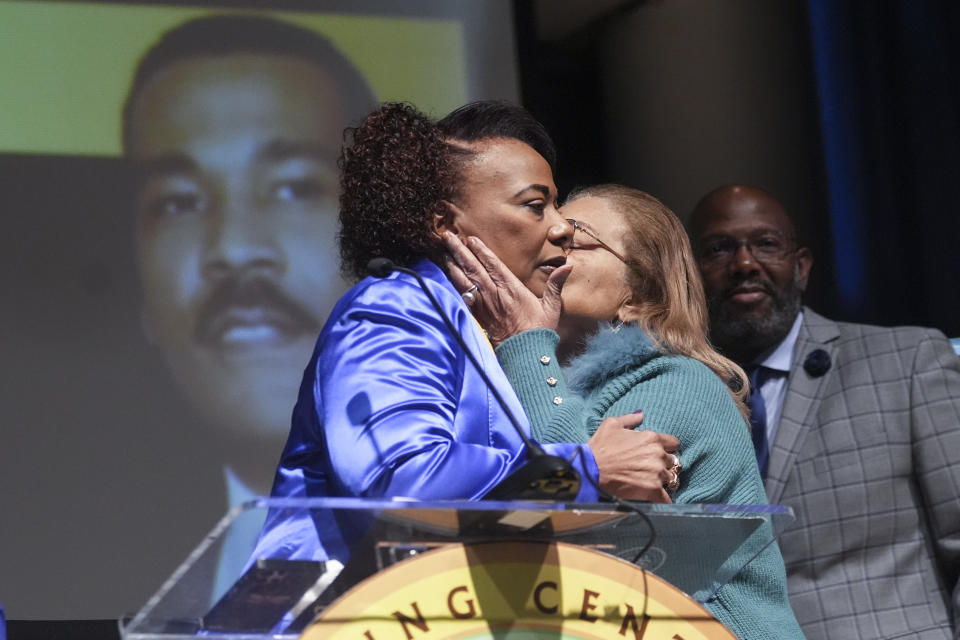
<point x="609" y="353"/>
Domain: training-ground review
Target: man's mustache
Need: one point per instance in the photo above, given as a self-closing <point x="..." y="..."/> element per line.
<point x="239" y="292"/>
<point x="752" y="282"/>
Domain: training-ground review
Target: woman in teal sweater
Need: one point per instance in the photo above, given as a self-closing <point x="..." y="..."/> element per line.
<point x="634" y="323"/>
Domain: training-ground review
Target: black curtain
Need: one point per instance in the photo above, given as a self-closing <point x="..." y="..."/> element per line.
<point x="887" y="75"/>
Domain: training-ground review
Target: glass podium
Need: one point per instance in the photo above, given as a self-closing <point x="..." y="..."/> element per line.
<point x="232" y="586"/>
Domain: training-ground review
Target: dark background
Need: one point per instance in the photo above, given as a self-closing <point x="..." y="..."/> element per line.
<point x="847" y="111"/>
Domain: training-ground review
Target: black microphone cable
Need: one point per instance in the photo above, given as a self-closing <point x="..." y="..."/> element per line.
<point x="381" y="267"/>
<point x="627" y="505"/>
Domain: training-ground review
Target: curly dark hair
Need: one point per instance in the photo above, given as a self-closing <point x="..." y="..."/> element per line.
<point x="398" y="167"/>
<point x="394" y="177"/>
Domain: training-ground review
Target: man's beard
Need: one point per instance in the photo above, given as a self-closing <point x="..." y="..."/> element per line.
<point x="741" y="335"/>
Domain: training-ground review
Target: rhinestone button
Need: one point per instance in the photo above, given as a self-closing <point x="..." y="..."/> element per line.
<point x="557" y="400"/>
<point x="544" y="360"/>
<point x="552" y="381"/>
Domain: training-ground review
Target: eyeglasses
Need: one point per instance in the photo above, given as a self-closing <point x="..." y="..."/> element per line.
<point x="767" y="247"/>
<point x="578" y="226"/>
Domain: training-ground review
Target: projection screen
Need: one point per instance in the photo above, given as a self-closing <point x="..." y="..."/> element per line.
<point x="139" y="402"/>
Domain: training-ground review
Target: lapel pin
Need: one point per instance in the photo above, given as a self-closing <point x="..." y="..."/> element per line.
<point x="817" y="363"/>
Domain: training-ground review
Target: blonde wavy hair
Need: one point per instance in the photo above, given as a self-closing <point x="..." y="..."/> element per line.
<point x="667" y="298"/>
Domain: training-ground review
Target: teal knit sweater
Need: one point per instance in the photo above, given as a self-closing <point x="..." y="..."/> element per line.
<point x="621" y="372"/>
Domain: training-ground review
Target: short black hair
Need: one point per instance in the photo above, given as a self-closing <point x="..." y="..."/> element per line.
<point x="499" y="119"/>
<point x="218" y="35"/>
<point x="398" y="169"/>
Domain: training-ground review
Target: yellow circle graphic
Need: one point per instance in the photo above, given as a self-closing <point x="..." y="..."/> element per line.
<point x="515" y="591"/>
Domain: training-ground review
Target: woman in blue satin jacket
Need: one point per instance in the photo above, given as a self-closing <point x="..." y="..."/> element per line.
<point x="389" y="405"/>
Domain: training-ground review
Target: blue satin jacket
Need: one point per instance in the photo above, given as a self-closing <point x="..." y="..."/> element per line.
<point x="390" y="407"/>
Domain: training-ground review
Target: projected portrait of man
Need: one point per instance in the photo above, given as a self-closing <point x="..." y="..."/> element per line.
<point x="233" y="125"/>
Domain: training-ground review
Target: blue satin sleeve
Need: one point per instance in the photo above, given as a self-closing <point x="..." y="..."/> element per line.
<point x="390" y="406"/>
<point x="398" y="419"/>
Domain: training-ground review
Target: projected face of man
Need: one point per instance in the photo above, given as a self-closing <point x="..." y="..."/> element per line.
<point x="237" y="206"/>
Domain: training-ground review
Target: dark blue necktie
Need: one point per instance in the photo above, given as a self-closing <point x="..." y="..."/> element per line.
<point x="758" y="416"/>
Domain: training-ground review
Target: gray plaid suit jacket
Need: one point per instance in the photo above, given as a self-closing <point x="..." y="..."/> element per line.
<point x="868" y="456"/>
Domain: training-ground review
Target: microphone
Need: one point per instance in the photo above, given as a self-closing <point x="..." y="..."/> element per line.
<point x="381" y="267"/>
<point x="543" y="477"/>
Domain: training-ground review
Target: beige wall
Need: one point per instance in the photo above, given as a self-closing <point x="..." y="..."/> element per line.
<point x="700" y="93"/>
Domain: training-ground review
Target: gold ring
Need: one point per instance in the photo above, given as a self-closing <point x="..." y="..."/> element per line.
<point x="674" y="483"/>
<point x="676" y="464"/>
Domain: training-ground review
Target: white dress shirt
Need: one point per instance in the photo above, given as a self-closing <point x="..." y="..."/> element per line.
<point x="774" y="389"/>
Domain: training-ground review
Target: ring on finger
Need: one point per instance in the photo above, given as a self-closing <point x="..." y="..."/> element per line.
<point x="674" y="482"/>
<point x="469" y="296"/>
<point x="676" y="466"/>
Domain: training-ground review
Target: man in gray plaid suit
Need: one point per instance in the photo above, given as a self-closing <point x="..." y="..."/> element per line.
<point x="856" y="427"/>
